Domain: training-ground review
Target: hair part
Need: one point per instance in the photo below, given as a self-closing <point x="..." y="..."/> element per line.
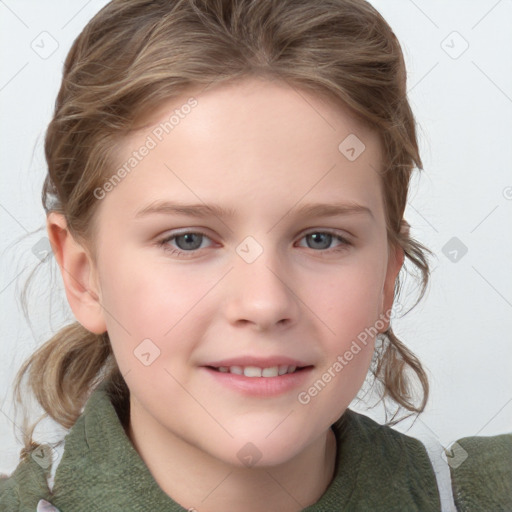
<point x="133" y="56"/>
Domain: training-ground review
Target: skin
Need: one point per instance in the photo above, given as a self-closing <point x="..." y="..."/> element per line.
<point x="264" y="150"/>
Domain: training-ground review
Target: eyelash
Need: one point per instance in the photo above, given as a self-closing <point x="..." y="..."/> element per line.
<point x="345" y="244"/>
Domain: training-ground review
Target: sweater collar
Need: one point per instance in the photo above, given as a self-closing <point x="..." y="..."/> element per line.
<point x="101" y="466"/>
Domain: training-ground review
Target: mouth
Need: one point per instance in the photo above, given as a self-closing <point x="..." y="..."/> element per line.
<point x="257" y="371"/>
<point x="260" y="377"/>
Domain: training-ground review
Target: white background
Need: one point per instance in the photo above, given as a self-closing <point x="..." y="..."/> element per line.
<point x="462" y="101"/>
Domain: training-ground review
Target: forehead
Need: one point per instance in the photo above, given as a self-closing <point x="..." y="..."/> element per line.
<point x="252" y="140"/>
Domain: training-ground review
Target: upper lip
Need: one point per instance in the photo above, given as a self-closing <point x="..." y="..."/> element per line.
<point x="260" y="362"/>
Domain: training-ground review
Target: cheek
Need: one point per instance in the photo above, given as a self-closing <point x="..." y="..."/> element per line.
<point x="158" y="302"/>
<point x="350" y="312"/>
<point x="349" y="306"/>
<point x="140" y="292"/>
<point x="349" y="300"/>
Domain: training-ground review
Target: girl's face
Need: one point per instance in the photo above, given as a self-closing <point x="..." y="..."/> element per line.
<point x="246" y="232"/>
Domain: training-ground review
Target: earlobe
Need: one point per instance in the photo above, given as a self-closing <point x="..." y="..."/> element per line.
<point x="78" y="274"/>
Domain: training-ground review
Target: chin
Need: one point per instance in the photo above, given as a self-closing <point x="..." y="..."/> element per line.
<point x="261" y="450"/>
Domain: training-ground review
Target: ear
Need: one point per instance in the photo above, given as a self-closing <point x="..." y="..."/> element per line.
<point x="395" y="261"/>
<point x="78" y="274"/>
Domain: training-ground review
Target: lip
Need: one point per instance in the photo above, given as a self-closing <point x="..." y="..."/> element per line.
<point x="260" y="362"/>
<point x="263" y="387"/>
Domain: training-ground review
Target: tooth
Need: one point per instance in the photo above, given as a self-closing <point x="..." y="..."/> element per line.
<point x="236" y="369"/>
<point x="291" y="369"/>
<point x="283" y="368"/>
<point x="223" y="369"/>
<point x="270" y="372"/>
<point x="252" y="371"/>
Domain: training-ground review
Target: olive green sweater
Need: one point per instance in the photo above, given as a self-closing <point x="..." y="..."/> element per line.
<point x="377" y="468"/>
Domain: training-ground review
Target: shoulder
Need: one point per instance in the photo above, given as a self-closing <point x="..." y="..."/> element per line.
<point x="27" y="485"/>
<point x="473" y="473"/>
<point x="9" y="493"/>
<point x="30" y="487"/>
<point x="390" y="465"/>
<point x="481" y="472"/>
<point x="388" y="445"/>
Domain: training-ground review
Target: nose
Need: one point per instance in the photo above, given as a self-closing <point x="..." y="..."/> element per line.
<point x="261" y="293"/>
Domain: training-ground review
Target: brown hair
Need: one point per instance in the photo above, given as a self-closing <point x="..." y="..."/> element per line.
<point x="134" y="55"/>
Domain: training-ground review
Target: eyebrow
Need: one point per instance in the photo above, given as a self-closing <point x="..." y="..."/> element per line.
<point x="202" y="210"/>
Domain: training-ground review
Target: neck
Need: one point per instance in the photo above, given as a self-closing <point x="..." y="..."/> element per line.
<point x="218" y="486"/>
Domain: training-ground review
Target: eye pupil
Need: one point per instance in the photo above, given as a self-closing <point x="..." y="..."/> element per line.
<point x="320" y="238"/>
<point x="189" y="239"/>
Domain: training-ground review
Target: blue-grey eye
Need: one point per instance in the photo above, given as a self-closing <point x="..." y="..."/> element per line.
<point x="320" y="240"/>
<point x="188" y="241"/>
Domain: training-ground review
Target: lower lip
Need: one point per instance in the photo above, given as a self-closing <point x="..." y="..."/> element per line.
<point x="261" y="386"/>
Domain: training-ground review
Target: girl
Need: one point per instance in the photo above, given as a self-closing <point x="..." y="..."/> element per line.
<point x="225" y="198"/>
